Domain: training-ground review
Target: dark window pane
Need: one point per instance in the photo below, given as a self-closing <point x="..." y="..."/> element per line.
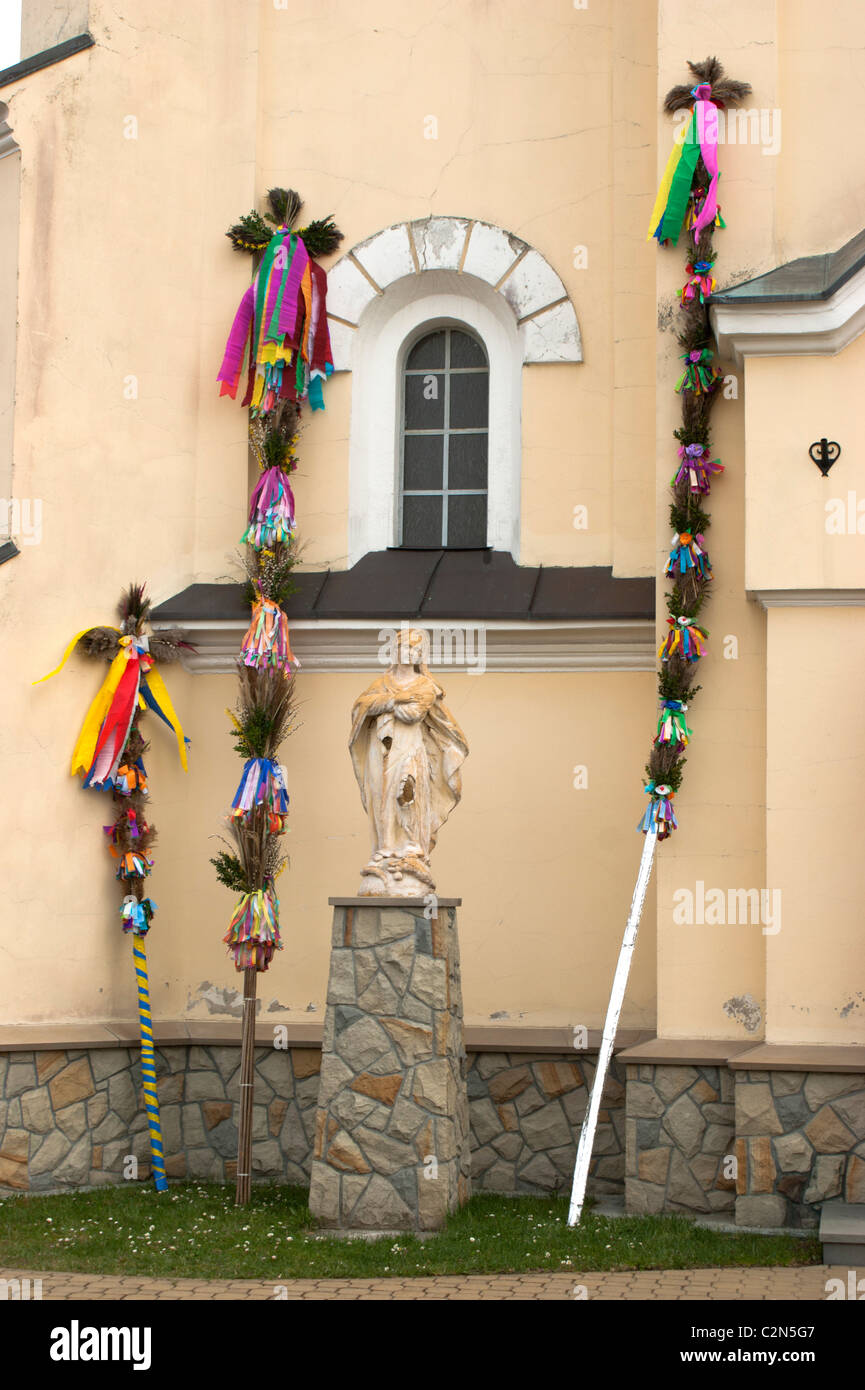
<point x="422" y="521"/>
<point x="422" y="468"/>
<point x="424" y="402"/>
<point x="467" y="520"/>
<point x="467" y="460"/>
<point x="468" y="400"/>
<point x="466" y="351"/>
<point x="429" y="352"/>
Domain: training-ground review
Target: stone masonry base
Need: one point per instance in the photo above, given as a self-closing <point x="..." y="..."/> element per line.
<point x="392" y="1126"/>
<point x="73" y="1118"/>
<point x="769" y="1146"/>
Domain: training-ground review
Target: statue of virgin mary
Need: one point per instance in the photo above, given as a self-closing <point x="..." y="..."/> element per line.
<point x="407" y="750"/>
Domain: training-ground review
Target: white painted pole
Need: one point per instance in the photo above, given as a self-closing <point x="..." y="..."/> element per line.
<point x="614" y="1009"/>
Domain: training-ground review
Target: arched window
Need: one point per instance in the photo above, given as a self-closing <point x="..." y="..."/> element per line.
<point x="444" y="442"/>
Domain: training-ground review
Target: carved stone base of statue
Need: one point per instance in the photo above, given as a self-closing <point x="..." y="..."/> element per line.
<point x="391" y="1148"/>
<point x="395" y="876"/>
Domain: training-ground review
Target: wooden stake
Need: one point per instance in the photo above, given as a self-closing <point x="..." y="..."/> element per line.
<point x="614" y="1009"/>
<point x="247" y="1073"/>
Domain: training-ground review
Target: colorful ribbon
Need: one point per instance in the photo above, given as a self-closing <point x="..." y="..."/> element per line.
<point x="136" y="915"/>
<point x="688" y="554"/>
<point x="266" y="642"/>
<point x="253" y="933"/>
<point x="280" y="325"/>
<point x="262" y="783"/>
<point x="659" y="812"/>
<point x="700" y="281"/>
<point x="672" y="724"/>
<point x="683" y="639"/>
<point x="696" y="467"/>
<point x="700" y="375"/>
<point x="134" y="865"/>
<point x="271" y="511"/>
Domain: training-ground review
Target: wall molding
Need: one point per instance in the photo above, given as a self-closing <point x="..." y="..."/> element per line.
<point x="792" y="328"/>
<point x="350" y="645"/>
<point x="809" y="598"/>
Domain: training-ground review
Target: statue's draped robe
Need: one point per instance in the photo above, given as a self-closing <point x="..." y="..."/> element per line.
<point x="410" y="786"/>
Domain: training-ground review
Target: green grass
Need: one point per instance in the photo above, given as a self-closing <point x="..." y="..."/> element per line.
<point x="196" y="1230"/>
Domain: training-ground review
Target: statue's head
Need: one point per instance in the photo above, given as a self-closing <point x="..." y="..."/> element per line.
<point x="413" y="647"/>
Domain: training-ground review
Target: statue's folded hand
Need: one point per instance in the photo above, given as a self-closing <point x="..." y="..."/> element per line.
<point x="409" y="711"/>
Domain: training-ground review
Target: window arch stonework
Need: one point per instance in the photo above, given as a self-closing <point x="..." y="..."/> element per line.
<point x="411" y="279"/>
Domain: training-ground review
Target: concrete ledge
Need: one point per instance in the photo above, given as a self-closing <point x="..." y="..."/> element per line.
<point x="515" y="1037"/>
<point x="744" y="1056"/>
<point x="306" y="1032"/>
<point x="707" y="1052"/>
<point x="800" y="1057"/>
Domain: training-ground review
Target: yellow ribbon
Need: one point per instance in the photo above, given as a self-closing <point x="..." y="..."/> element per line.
<point x="664" y="190"/>
<point x="69" y="650"/>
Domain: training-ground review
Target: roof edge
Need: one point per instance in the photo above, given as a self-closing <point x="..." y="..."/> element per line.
<point x="46" y="59"/>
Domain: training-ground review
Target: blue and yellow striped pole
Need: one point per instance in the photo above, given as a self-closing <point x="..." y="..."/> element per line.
<point x="148" y="1065"/>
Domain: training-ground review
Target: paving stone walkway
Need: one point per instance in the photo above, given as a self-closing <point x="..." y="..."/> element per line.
<point x="805" y="1284"/>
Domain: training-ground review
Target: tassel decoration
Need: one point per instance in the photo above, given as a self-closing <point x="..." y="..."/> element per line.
<point x="253" y="933"/>
<point x="697" y="468"/>
<point x="684" y="639"/>
<point x="700" y="374"/>
<point x="688" y="555"/>
<point x="700" y="282"/>
<point x="261" y="784"/>
<point x="136" y="916"/>
<point x="266" y="643"/>
<point x="134" y="865"/>
<point x="659" y="813"/>
<point x="281" y="329"/>
<point x="271" y="511"/>
<point x="672" y="724"/>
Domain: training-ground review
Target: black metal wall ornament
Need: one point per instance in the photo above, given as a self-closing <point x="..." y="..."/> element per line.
<point x="825" y="452"/>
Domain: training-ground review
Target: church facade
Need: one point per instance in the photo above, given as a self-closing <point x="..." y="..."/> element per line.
<point x="492" y="465"/>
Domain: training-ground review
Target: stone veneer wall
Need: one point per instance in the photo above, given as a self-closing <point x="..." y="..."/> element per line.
<point x="525" y="1113"/>
<point x="680" y="1126"/>
<point x="800" y="1142"/>
<point x="68" y="1119"/>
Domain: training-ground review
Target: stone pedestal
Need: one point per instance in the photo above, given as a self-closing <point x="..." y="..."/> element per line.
<point x="392" y="1126"/>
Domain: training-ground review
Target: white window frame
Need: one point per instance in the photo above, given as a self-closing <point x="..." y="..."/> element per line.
<point x="389" y="326"/>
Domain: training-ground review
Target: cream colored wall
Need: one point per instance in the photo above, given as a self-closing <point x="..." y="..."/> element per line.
<point x="125" y="271"/>
<point x="528" y="135"/>
<point x="10" y="182"/>
<point x="538" y="864"/>
<point x="791" y="402"/>
<point x="814" y="683"/>
<point x="814" y="779"/>
<point x="45" y="23"/>
<point x="820" y="195"/>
